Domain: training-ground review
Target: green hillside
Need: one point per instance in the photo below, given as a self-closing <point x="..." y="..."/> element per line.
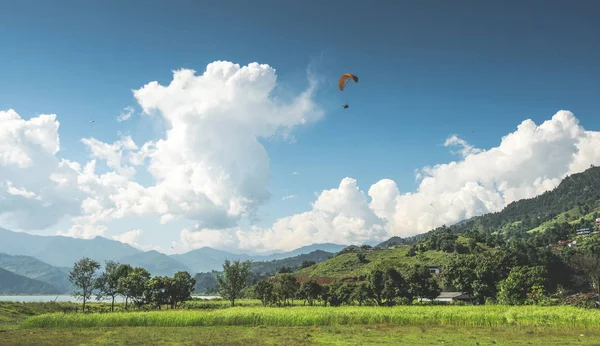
<point x="348" y="266"/>
<point x="11" y="283"/>
<point x="575" y="203"/>
<point x="576" y="196"/>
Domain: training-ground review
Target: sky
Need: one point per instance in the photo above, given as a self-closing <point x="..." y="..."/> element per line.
<point x="220" y="123"/>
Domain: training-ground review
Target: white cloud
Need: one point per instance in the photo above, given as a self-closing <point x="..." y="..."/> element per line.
<point x="284" y="198"/>
<point x="211" y="168"/>
<point x="528" y="162"/>
<point x="466" y="148"/>
<point x="295" y="173"/>
<point x="129" y="237"/>
<point x="126" y="113"/>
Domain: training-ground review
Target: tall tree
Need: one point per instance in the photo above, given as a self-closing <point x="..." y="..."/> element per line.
<point x="589" y="264"/>
<point x="180" y="288"/>
<point x="124" y="270"/>
<point x="107" y="283"/>
<point x="264" y="291"/>
<point x="134" y="285"/>
<point x="83" y="276"/>
<point x="422" y="284"/>
<point x="233" y="280"/>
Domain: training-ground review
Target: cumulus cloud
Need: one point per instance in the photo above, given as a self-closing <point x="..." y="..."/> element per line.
<point x="36" y="188"/>
<point x="529" y="161"/>
<point x="126" y="113"/>
<point x="211" y="168"/>
<point x="284" y="198"/>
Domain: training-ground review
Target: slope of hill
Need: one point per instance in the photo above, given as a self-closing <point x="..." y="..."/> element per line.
<point x="11" y="283"/>
<point x="268" y="267"/>
<point x="207" y="259"/>
<point x="206" y="282"/>
<point x="157" y="263"/>
<point x="348" y="266"/>
<point x="35" y="269"/>
<point x="62" y="251"/>
<point x="580" y="191"/>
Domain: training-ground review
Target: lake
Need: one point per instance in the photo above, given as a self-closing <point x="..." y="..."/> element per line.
<point x="65" y="298"/>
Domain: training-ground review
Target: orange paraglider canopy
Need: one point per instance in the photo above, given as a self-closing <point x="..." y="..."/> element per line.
<point x="344" y="80"/>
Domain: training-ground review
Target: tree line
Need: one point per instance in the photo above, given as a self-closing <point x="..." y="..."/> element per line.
<point x="135" y="284"/>
<point x="384" y="287"/>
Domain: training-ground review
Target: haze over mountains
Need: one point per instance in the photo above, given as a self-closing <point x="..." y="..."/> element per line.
<point x="43" y="262"/>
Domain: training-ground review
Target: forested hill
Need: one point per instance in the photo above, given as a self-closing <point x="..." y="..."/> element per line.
<point x="578" y="194"/>
<point x="11" y="283"/>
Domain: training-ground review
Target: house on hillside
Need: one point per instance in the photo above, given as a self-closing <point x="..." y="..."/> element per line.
<point x="583" y="231"/>
<point x="563" y="243"/>
<point x="449" y="297"/>
<point x="435" y="270"/>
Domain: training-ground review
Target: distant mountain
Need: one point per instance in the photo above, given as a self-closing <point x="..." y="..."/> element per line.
<point x="157" y="263"/>
<point x="207" y="259"/>
<point x="327" y="247"/>
<point x="11" y="283"/>
<point x="62" y="251"/>
<point x="35" y="269"/>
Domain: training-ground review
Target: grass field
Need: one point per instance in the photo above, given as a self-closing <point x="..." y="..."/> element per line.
<point x="40" y="324"/>
<point x="487" y="316"/>
<point x="314" y="335"/>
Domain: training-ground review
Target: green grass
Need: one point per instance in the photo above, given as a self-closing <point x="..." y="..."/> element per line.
<point x="348" y="266"/>
<point x="313" y="335"/>
<point x="572" y="216"/>
<point x="562" y="316"/>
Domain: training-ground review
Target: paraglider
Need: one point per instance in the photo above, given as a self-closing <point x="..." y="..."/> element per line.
<point x="344" y="79"/>
<point x="92" y="121"/>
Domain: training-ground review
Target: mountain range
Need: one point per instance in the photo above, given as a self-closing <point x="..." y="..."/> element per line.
<point x="48" y="259"/>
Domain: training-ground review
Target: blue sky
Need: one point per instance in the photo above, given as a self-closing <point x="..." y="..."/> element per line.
<point x="427" y="69"/>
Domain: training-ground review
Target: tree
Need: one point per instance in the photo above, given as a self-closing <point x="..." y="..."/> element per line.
<point x="157" y="291"/>
<point x="108" y="282"/>
<point x="233" y="280"/>
<point x="340" y="293"/>
<point x="286" y="287"/>
<point x="83" y="276"/>
<point x="180" y="288"/>
<point x="134" y="285"/>
<point x="422" y="284"/>
<point x="264" y="291"/>
<point x="376" y="283"/>
<point x="309" y="291"/>
<point x="361" y="293"/>
<point x="124" y="270"/>
<point x="386" y="286"/>
<point x="285" y="270"/>
<point x="362" y="258"/>
<point x="520" y="281"/>
<point x="589" y="264"/>
<point x="306" y="264"/>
